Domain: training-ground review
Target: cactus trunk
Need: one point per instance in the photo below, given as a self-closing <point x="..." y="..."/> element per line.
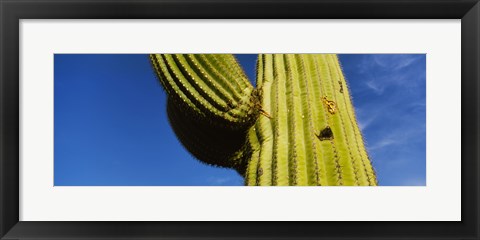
<point x="298" y="127"/>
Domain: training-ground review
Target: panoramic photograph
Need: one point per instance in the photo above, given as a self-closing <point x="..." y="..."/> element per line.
<point x="239" y="120"/>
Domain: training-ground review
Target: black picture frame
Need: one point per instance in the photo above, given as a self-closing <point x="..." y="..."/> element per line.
<point x="12" y="11"/>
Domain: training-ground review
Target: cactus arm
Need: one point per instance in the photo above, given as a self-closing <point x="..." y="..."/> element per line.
<point x="211" y="88"/>
<point x="228" y="65"/>
<point x="211" y="105"/>
<point x="199" y="87"/>
<point x="219" y="147"/>
<point x="169" y="83"/>
<point x="193" y="89"/>
<point x="204" y="66"/>
<point x="186" y="85"/>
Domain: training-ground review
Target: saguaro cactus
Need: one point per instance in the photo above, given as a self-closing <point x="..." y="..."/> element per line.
<point x="297" y="127"/>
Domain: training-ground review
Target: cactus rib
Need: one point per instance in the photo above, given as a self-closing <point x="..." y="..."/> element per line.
<point x="230" y="107"/>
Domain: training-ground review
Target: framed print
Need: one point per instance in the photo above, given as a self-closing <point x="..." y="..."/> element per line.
<point x="113" y="114"/>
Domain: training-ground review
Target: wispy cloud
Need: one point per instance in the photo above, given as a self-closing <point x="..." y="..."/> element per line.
<point x="400" y="136"/>
<point x="373" y="85"/>
<point x="415" y="181"/>
<point x="221" y="181"/>
<point x="405" y="62"/>
<point x="365" y="117"/>
<point x="364" y="123"/>
<point x="389" y="99"/>
<point x="384" y="143"/>
<point x="395" y="61"/>
<point x="391" y="69"/>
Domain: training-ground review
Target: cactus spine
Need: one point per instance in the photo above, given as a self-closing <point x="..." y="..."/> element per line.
<point x="298" y="127"/>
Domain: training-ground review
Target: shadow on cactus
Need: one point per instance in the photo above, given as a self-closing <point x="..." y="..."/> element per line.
<point x="297" y="127"/>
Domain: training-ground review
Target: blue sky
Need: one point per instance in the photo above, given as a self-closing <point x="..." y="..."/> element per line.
<point x="111" y="127"/>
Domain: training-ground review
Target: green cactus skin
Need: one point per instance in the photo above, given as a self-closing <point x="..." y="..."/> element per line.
<point x="212" y="144"/>
<point x="298" y="127"/>
<point x="212" y="86"/>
